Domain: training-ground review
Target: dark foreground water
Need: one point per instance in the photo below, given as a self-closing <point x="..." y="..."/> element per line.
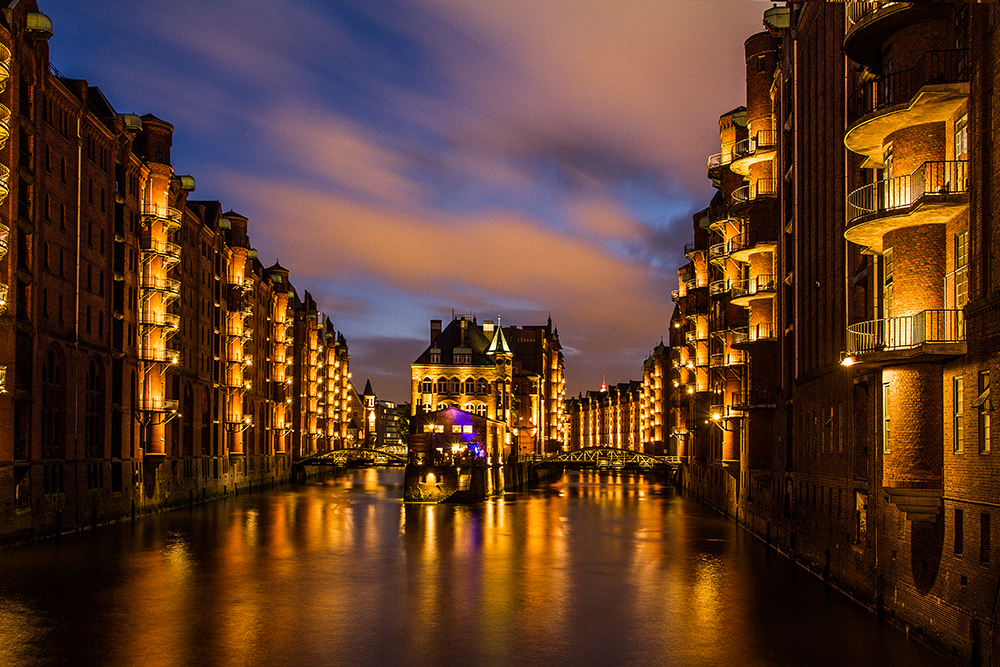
<point x="592" y="570"/>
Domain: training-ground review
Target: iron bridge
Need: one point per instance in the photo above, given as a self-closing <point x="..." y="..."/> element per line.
<point x="353" y="457"/>
<point x="610" y="458"/>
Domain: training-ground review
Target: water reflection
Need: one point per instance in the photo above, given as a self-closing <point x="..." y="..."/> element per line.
<point x="594" y="570"/>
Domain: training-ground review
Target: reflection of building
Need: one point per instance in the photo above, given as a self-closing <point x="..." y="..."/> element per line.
<point x="146" y="354"/>
<point x="858" y="233"/>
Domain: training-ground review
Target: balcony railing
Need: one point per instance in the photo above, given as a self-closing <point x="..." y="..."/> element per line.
<point x="166" y="214"/>
<point x="167" y="285"/>
<point x="4" y="67"/>
<point x="934" y="67"/>
<point x="4" y="182"/>
<point x="718" y="251"/>
<point x="719" y="160"/>
<point x="858" y="9"/>
<point x="753" y="333"/>
<point x="764" y="282"/>
<point x="4" y="125"/>
<point x="694" y="335"/>
<point x="759" y="189"/>
<point x="904" y="333"/>
<point x="750" y="238"/>
<point x="719" y="287"/>
<point x="3" y="296"/>
<point x="165" y="320"/>
<point x="762" y="140"/>
<point x="161" y="355"/>
<point x="675" y="294"/>
<point x="165" y="249"/>
<point x="754" y="398"/>
<point x="4" y="240"/>
<point x="158" y="405"/>
<point x="946" y="177"/>
<point x="695" y="283"/>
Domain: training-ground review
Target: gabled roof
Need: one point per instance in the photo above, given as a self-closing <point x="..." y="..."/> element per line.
<point x="451" y="337"/>
<point x="499" y="344"/>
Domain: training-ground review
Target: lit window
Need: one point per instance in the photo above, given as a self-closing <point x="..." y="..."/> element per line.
<point x="456" y="428"/>
<point x="887" y="294"/>
<point x="467" y="428"/>
<point x="982" y="404"/>
<point x="962" y="138"/>
<point x="961" y="276"/>
<point x="886" y="430"/>
<point x="958" y="405"/>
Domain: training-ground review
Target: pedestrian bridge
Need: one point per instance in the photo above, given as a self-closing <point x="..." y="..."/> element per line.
<point x="352" y="457"/>
<point x="609" y="458"/>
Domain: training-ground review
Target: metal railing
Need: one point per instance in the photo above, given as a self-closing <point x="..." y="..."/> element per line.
<point x="165" y="320"/>
<point x="762" y="139"/>
<point x="4" y="242"/>
<point x="752" y="237"/>
<point x="718" y="251"/>
<point x="749" y="334"/>
<point x="719" y="287"/>
<point x="764" y="282"/>
<point x="944" y="177"/>
<point x="934" y="67"/>
<point x="695" y="283"/>
<point x="694" y="335"/>
<point x="858" y="9"/>
<point x="4" y="182"/>
<point x="719" y="160"/>
<point x="168" y="285"/>
<point x="167" y="214"/>
<point x="759" y="189"/>
<point x="903" y="333"/>
<point x="4" y="67"/>
<point x="161" y="248"/>
<point x="4" y="125"/>
<point x="754" y="398"/>
<point x="158" y="405"/>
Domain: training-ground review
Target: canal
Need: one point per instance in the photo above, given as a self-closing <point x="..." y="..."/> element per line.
<point x="589" y="570"/>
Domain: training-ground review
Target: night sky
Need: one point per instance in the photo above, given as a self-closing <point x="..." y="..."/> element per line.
<point x="410" y="158"/>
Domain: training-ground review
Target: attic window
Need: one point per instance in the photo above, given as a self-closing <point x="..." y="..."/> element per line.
<point x="462" y="358"/>
<point x="435" y="356"/>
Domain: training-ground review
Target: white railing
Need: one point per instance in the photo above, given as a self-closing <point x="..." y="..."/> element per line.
<point x="902" y="333"/>
<point x="945" y="177"/>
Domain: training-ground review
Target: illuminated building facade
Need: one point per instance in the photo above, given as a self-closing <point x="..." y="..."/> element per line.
<point x="611" y="417"/>
<point x="852" y="296"/>
<point x="539" y="388"/>
<point x="147" y="357"/>
<point x="654" y="410"/>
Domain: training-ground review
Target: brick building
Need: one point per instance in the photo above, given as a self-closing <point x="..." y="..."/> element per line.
<point x="147" y="357"/>
<point x="848" y="259"/>
<point x="611" y="417"/>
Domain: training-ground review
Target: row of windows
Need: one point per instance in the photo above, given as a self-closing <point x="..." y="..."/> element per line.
<point x="472" y="408"/>
<point x="455" y="386"/>
<point x="984" y="535"/>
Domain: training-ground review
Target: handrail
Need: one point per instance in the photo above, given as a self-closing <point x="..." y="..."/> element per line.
<point x="903" y="333"/>
<point x="943" y="177"/>
<point x="765" y="282"/>
<point x="762" y="187"/>
<point x="749" y="334"/>
<point x="933" y="67"/>
<point x="858" y="9"/>
<point x="749" y="146"/>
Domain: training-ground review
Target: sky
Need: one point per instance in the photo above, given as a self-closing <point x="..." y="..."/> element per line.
<point x="407" y="159"/>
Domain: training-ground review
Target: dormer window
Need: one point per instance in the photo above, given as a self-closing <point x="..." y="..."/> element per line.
<point x="462" y="355"/>
<point x="435" y="355"/>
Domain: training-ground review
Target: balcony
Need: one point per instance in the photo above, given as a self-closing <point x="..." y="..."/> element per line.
<point x="751" y="241"/>
<point x="753" y="334"/>
<point x="931" y="91"/>
<point x="691" y="248"/>
<point x="167" y="286"/>
<point x="694" y="336"/>
<point x="168" y="321"/>
<point x="933" y="194"/>
<point x="4" y="67"/>
<point x="4" y="125"/>
<point x="675" y="295"/>
<point x="695" y="283"/>
<point x="718" y="252"/>
<point x="4" y="182"/>
<point x="760" y="190"/>
<point x="930" y="333"/>
<point x="717" y="162"/>
<point x="168" y="216"/>
<point x="870" y="22"/>
<point x="164" y="355"/>
<point x="762" y="286"/>
<point x="4" y="240"/>
<point x="169" y="252"/>
<point x="718" y="218"/>
<point x="3" y="296"/>
<point x="719" y="288"/>
<point x="158" y="405"/>
<point x="755" y="399"/>
<point x="754" y="149"/>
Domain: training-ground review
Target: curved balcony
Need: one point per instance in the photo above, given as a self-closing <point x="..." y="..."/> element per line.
<point x="718" y="252"/>
<point x="933" y="194"/>
<point x="719" y="288"/>
<point x="763" y="189"/>
<point x="164" y="355"/>
<point x="752" y="241"/>
<point x="167" y="286"/>
<point x="695" y="335"/>
<point x="762" y="286"/>
<point x="158" y="405"/>
<point x="931" y="91"/>
<point x="691" y="248"/>
<point x="4" y="125"/>
<point x="170" y="217"/>
<point x="675" y="295"/>
<point x="240" y="332"/>
<point x="170" y="253"/>
<point x="718" y="219"/>
<point x="168" y="321"/>
<point x="870" y="22"/>
<point x="754" y="149"/>
<point x="695" y="283"/>
<point x="4" y="182"/>
<point x="718" y="162"/>
<point x="755" y="399"/>
<point x="757" y="333"/>
<point x="4" y="67"/>
<point x="3" y="296"/>
<point x="930" y="333"/>
<point x="4" y="240"/>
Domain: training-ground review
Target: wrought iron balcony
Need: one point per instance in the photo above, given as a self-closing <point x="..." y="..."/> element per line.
<point x="933" y="193"/>
<point x="169" y="216"/>
<point x="4" y="240"/>
<point x="762" y="188"/>
<point x="718" y="252"/>
<point x="694" y="336"/>
<point x="871" y="22"/>
<point x="753" y="149"/>
<point x="4" y="67"/>
<point x="717" y="162"/>
<point x="168" y="321"/>
<point x="675" y="294"/>
<point x="3" y="296"/>
<point x="164" y="355"/>
<point x="755" y="398"/>
<point x="171" y="252"/>
<point x="908" y="335"/>
<point x="4" y="125"/>
<point x="752" y="334"/>
<point x="719" y="287"/>
<point x="163" y="285"/>
<point x="761" y="286"/>
<point x="149" y="404"/>
<point x="756" y="239"/>
<point x="4" y="182"/>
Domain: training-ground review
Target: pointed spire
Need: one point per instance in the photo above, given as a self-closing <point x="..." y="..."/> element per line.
<point x="499" y="344"/>
<point x="368" y="388"/>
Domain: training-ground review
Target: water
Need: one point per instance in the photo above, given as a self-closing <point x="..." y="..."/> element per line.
<point x="591" y="570"/>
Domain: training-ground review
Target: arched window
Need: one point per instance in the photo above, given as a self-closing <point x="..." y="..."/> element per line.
<point x="427" y="386"/>
<point x="455" y="385"/>
<point x="481" y="409"/>
<point x="470" y="386"/>
<point x="94" y="434"/>
<point x="53" y="404"/>
<point x="442" y="387"/>
<point x="482" y="388"/>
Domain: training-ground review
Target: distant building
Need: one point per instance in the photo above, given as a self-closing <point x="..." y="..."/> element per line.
<point x="539" y="388"/>
<point x="610" y="417"/>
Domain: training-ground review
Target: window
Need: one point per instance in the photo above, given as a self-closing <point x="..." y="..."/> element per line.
<point x="761" y="64"/>
<point x="442" y="386"/>
<point x="470" y="386"/>
<point x="982" y="404"/>
<point x="454" y="385"/>
<point x="456" y="428"/>
<point x="984" y="538"/>
<point x="427" y="386"/>
<point x="961" y="275"/>
<point x="887" y="293"/>
<point x="962" y="138"/>
<point x="959" y="532"/>
<point x="886" y="426"/>
<point x="958" y="405"/>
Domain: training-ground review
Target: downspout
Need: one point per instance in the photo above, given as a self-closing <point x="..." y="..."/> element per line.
<point x="76" y="325"/>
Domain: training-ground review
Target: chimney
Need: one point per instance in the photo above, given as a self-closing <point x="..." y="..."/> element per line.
<point x="435" y="329"/>
<point x="488" y="328"/>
